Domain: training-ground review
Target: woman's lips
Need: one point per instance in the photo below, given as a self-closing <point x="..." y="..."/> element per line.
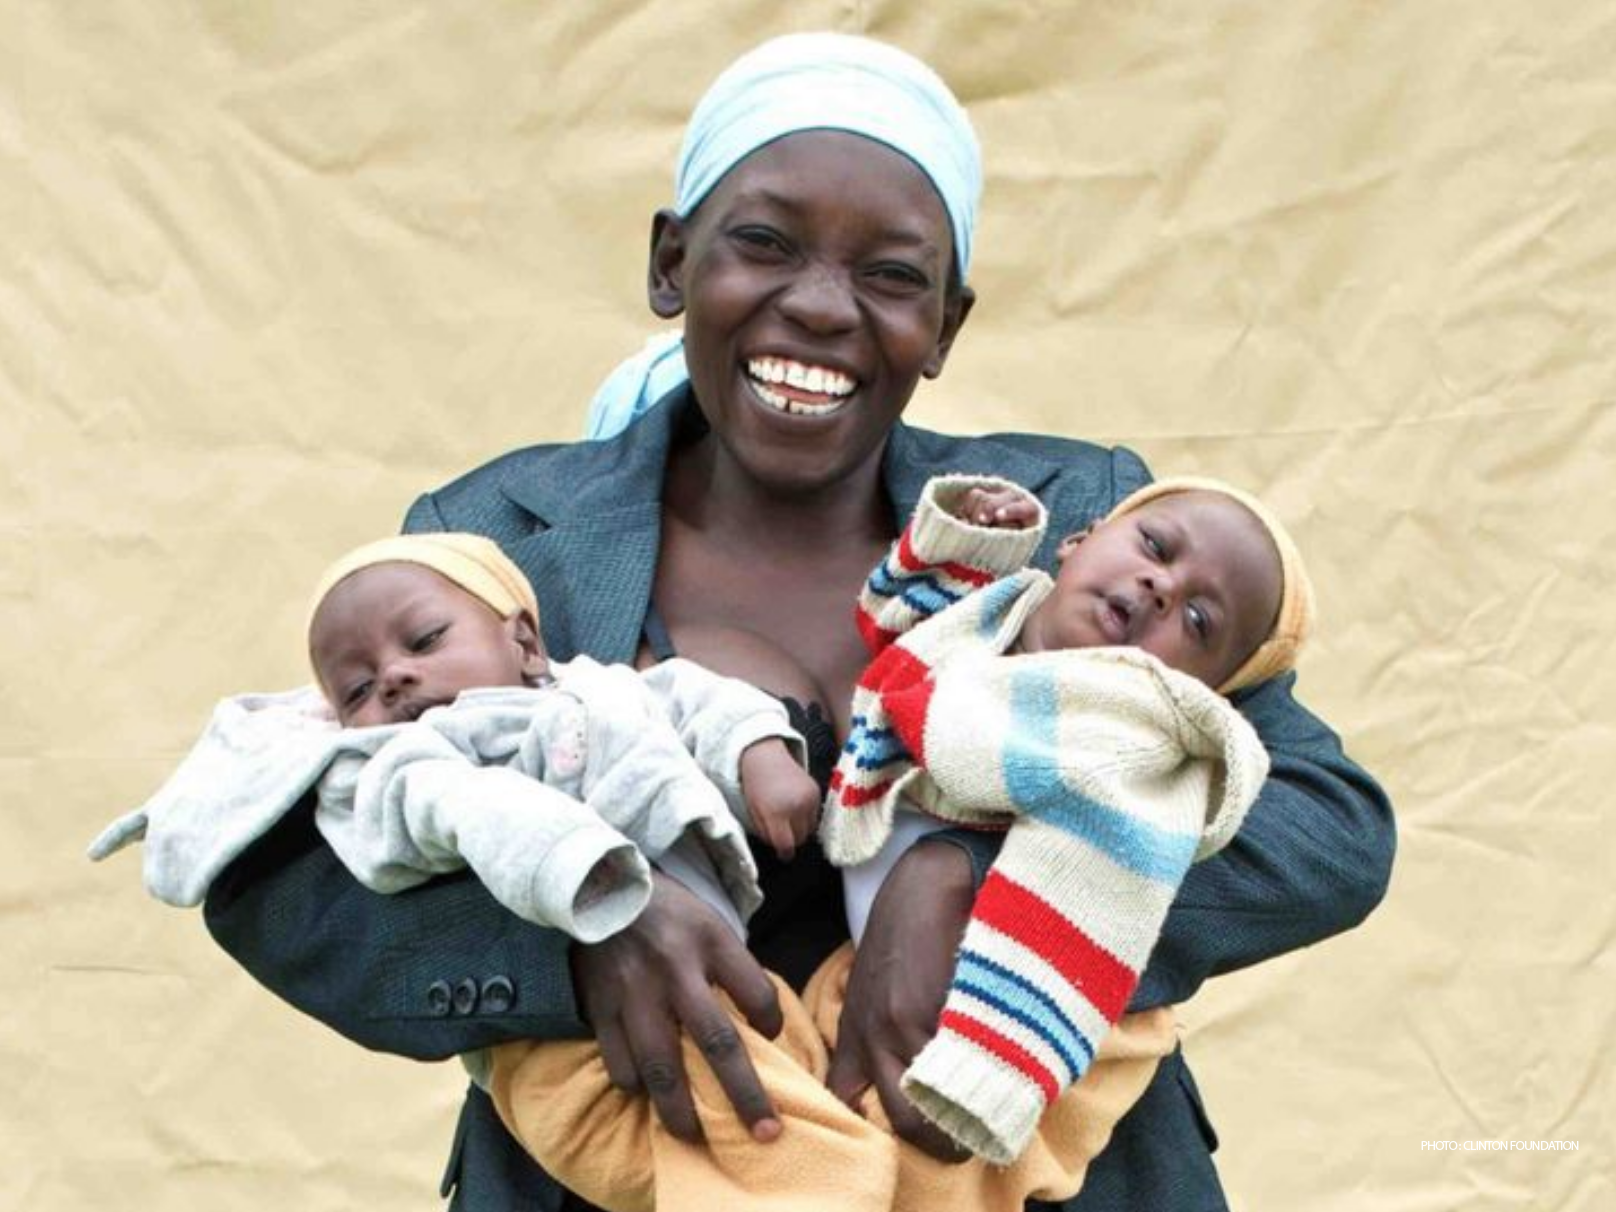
<point x="799" y="388"/>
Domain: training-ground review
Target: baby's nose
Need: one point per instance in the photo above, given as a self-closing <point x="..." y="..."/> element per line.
<point x="1158" y="587"/>
<point x="396" y="678"/>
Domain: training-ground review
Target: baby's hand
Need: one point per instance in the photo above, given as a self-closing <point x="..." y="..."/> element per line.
<point x="1008" y="508"/>
<point x="781" y="797"/>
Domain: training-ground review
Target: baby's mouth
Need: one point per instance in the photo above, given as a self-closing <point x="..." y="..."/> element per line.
<point x="1116" y="616"/>
<point x="798" y="388"/>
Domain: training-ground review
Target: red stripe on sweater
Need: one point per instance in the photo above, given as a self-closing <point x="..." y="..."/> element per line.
<point x="910" y="562"/>
<point x="1003" y="1047"/>
<point x="852" y="795"/>
<point x="895" y="666"/>
<point x="906" y="708"/>
<point x="876" y="637"/>
<point x="1037" y="925"/>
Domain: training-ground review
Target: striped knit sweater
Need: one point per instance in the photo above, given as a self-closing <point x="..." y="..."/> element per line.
<point x="1111" y="772"/>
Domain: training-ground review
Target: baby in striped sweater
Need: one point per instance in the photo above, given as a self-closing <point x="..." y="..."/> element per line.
<point x="1079" y="714"/>
<point x="1086" y="715"/>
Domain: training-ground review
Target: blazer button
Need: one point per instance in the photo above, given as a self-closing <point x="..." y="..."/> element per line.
<point x="499" y="994"/>
<point x="439" y="998"/>
<point x="466" y="994"/>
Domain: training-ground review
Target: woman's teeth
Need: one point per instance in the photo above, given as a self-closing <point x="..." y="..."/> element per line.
<point x="831" y="387"/>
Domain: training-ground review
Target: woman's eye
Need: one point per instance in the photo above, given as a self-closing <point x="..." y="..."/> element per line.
<point x="896" y="273"/>
<point x="427" y="639"/>
<point x="760" y="240"/>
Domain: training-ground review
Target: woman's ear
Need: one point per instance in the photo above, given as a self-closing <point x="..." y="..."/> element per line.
<point x="955" y="309"/>
<point x="524" y="633"/>
<point x="665" y="286"/>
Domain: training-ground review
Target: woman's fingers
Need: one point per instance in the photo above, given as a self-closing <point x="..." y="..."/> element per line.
<point x="645" y="988"/>
<point x="738" y="974"/>
<point x="846" y="1078"/>
<point x="617" y="1056"/>
<point x="909" y="1124"/>
<point x="653" y="1035"/>
<point x="721" y="1046"/>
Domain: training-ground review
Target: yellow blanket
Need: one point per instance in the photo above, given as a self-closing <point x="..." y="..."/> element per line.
<point x="611" y="1149"/>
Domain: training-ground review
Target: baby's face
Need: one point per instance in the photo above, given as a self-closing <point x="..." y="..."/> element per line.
<point x="392" y="640"/>
<point x="1192" y="578"/>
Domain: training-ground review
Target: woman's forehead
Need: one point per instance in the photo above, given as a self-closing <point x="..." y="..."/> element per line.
<point x="806" y="83"/>
<point x="800" y="170"/>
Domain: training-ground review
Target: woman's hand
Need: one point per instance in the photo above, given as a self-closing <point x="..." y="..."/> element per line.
<point x="647" y="985"/>
<point x="898" y="984"/>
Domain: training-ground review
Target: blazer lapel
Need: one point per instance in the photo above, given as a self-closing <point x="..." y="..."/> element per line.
<point x="593" y="552"/>
<point x="913" y="456"/>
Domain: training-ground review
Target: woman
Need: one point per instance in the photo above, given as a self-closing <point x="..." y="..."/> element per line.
<point x="818" y="253"/>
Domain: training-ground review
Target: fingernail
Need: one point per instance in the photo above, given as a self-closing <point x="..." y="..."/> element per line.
<point x="766" y="1131"/>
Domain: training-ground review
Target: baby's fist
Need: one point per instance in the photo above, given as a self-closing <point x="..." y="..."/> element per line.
<point x="781" y="797"/>
<point x="1000" y="508"/>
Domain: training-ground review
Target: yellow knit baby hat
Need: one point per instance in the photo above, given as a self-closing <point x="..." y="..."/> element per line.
<point x="1278" y="652"/>
<point x="474" y="563"/>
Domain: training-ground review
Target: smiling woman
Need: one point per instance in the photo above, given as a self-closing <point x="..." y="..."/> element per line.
<point x="819" y="254"/>
<point x="822" y="260"/>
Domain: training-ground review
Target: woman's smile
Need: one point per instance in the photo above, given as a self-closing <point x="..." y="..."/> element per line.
<point x="798" y="388"/>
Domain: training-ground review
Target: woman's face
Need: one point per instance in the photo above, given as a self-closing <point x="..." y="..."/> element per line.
<point x="814" y="285"/>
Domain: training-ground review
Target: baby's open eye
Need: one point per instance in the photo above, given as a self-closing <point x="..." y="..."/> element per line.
<point x="427" y="640"/>
<point x="1152" y="544"/>
<point x="355" y="694"/>
<point x="1200" y="622"/>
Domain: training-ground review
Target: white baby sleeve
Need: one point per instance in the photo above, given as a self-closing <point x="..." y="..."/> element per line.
<point x="419" y="807"/>
<point x="717" y="719"/>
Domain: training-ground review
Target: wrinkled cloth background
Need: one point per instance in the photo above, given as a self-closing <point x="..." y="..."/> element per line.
<point x="268" y="271"/>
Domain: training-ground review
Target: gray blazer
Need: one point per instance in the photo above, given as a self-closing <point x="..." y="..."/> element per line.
<point x="443" y="969"/>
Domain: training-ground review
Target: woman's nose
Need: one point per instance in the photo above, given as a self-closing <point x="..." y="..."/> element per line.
<point x="821" y="300"/>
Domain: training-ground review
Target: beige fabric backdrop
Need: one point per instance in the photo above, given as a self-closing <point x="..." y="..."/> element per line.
<point x="267" y="271"/>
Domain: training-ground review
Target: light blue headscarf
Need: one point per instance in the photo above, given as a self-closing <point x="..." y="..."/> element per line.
<point x="795" y="83"/>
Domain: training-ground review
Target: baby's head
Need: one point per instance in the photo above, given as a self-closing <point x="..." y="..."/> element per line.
<point x="407" y="623"/>
<point x="1196" y="573"/>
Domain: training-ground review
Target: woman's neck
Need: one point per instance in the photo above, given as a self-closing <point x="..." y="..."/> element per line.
<point x="712" y="493"/>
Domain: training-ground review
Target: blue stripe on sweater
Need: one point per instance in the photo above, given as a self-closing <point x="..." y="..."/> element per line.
<point x="872" y="748"/>
<point x="925" y="595"/>
<point x="1032" y="777"/>
<point x="1014" y="996"/>
<point x="994" y="601"/>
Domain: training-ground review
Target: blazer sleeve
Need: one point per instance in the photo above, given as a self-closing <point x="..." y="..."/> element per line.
<point x="382" y="969"/>
<point x="1311" y="860"/>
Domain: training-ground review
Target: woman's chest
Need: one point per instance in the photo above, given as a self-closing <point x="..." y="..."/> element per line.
<point x="784" y="625"/>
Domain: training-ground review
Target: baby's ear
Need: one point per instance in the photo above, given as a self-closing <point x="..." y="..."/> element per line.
<point x="524" y="633"/>
<point x="1070" y="542"/>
